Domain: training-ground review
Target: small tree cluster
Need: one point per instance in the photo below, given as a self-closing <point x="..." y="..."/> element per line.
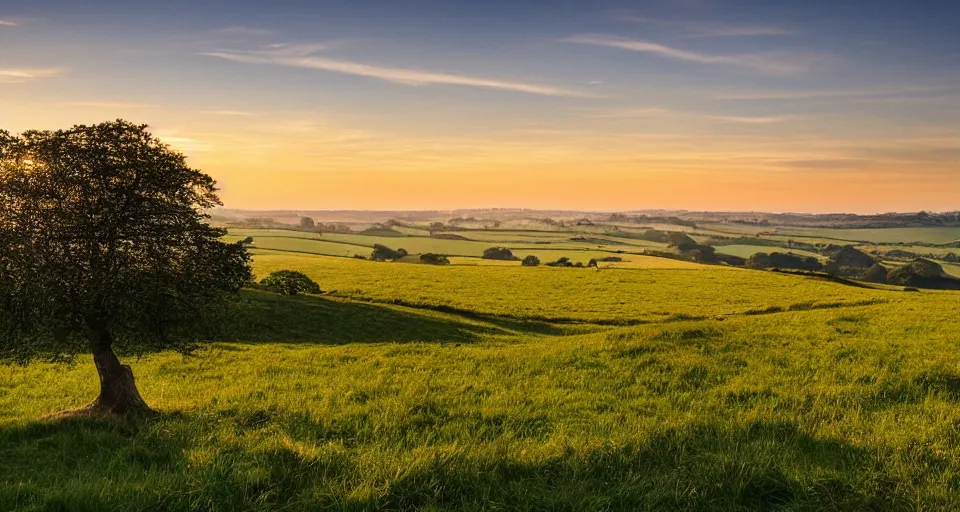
<point x="384" y="253"/>
<point x="434" y="259"/>
<point x="498" y="253"/>
<point x="530" y="261"/>
<point x="290" y="282"/>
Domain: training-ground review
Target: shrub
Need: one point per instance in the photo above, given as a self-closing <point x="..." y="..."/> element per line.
<point x="611" y="259"/>
<point x="434" y="259"/>
<point x="592" y="262"/>
<point x="384" y="253"/>
<point x="498" y="253"/>
<point x="530" y="261"/>
<point x="290" y="282"/>
<point x="682" y="241"/>
<point x="247" y="241"/>
<point x="783" y="260"/>
<point x="306" y="222"/>
<point x="562" y="262"/>
<point x="875" y="274"/>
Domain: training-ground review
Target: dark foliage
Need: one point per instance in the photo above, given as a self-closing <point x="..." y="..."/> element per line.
<point x="562" y="262"/>
<point x="384" y="253"/>
<point x="498" y="253"/>
<point x="875" y="274"/>
<point x="682" y="241"/>
<point x="922" y="273"/>
<point x="783" y="260"/>
<point x="102" y="228"/>
<point x="434" y="259"/>
<point x="290" y="282"/>
<point x="530" y="261"/>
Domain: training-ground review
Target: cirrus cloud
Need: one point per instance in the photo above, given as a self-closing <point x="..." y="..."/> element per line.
<point x="300" y="57"/>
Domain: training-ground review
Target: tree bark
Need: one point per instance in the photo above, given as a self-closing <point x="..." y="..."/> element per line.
<point x="119" y="395"/>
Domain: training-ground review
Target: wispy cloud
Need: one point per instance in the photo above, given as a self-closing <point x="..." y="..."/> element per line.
<point x="299" y="57"/>
<point x="238" y="113"/>
<point x="768" y="63"/>
<point x="866" y="92"/>
<point x="8" y="23"/>
<point x="106" y="104"/>
<point x="174" y="138"/>
<point x="710" y="29"/>
<point x="16" y="75"/>
<point x="641" y="112"/>
<point x="752" y="120"/>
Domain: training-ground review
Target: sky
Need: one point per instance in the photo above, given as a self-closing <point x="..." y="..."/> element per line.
<point x="812" y="106"/>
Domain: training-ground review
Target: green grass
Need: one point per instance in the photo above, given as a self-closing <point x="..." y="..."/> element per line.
<point x="334" y="404"/>
<point x="571" y="294"/>
<point x="498" y="387"/>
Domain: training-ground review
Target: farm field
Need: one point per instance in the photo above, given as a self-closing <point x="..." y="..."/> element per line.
<point x="745" y="251"/>
<point x="415" y="386"/>
<point x="933" y="235"/>
<point x="647" y="384"/>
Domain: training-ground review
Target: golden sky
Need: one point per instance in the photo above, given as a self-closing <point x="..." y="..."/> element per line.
<point x="671" y="105"/>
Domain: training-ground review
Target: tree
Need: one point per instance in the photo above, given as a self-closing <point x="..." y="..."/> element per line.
<point x="104" y="244"/>
<point x="306" y="222"/>
<point x="530" y="261"/>
<point x="290" y="282"/>
<point x="434" y="259"/>
<point x="383" y="253"/>
<point x="498" y="253"/>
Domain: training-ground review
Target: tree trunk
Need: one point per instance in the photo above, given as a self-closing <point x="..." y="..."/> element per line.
<point x="118" y="391"/>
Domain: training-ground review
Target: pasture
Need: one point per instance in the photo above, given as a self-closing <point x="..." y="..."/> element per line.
<point x="652" y="384"/>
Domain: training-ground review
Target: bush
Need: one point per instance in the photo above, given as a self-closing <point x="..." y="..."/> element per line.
<point x="562" y="262"/>
<point x="498" y="253"/>
<point x="384" y="253"/>
<point x="530" y="261"/>
<point x="611" y="259"/>
<point x="682" y="241"/>
<point x="434" y="259"/>
<point x="290" y="282"/>
<point x="783" y="260"/>
<point x="247" y="241"/>
<point x="592" y="263"/>
<point x="306" y="223"/>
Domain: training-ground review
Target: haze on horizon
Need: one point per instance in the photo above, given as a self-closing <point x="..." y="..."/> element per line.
<point x="381" y="105"/>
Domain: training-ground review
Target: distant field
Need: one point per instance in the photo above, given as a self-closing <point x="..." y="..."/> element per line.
<point x="951" y="268"/>
<point x="886" y="235"/>
<point x="341" y="244"/>
<point x="745" y="251"/>
<point x="610" y="295"/>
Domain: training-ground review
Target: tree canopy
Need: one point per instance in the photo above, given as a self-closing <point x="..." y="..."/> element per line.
<point x="104" y="241"/>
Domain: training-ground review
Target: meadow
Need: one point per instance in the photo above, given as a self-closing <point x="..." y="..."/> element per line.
<point x="651" y="384"/>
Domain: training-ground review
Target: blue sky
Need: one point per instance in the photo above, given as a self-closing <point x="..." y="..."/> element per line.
<point x="718" y="104"/>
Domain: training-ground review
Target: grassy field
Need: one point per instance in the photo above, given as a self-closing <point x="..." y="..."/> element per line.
<point x="745" y="251"/>
<point x="655" y="385"/>
<point x="881" y="235"/>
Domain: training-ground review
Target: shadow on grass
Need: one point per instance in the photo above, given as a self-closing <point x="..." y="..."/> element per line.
<point x="261" y="317"/>
<point x="235" y="460"/>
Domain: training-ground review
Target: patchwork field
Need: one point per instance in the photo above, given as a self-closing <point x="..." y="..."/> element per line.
<point x="651" y="384"/>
